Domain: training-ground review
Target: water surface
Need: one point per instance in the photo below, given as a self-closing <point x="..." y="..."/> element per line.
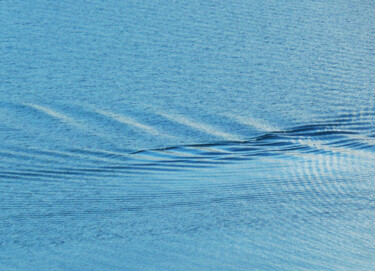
<point x="179" y="135"/>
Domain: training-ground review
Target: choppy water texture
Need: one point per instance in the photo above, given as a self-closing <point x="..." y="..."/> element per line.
<point x="187" y="135"/>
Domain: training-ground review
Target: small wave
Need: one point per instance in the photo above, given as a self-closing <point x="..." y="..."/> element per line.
<point x="208" y="129"/>
<point x="296" y="142"/>
<point x="132" y="122"/>
<point x="54" y="114"/>
<point x="252" y="122"/>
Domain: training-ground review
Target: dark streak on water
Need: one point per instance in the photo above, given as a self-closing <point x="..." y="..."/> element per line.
<point x="187" y="135"/>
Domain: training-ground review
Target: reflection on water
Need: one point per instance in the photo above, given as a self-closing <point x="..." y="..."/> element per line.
<point x="187" y="136"/>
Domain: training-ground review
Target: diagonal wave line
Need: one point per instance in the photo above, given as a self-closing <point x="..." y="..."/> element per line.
<point x="259" y="125"/>
<point x="67" y="120"/>
<point x="208" y="129"/>
<point x="54" y="114"/>
<point x="132" y="122"/>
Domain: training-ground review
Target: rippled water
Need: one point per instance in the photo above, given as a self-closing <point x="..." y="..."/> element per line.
<point x="180" y="135"/>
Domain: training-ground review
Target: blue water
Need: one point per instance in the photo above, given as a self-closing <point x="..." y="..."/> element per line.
<point x="187" y="135"/>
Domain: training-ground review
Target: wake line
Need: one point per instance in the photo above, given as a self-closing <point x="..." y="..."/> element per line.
<point x="66" y="119"/>
<point x="317" y="144"/>
<point x="252" y="122"/>
<point x="54" y="114"/>
<point x="310" y="143"/>
<point x="132" y="122"/>
<point x="208" y="129"/>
